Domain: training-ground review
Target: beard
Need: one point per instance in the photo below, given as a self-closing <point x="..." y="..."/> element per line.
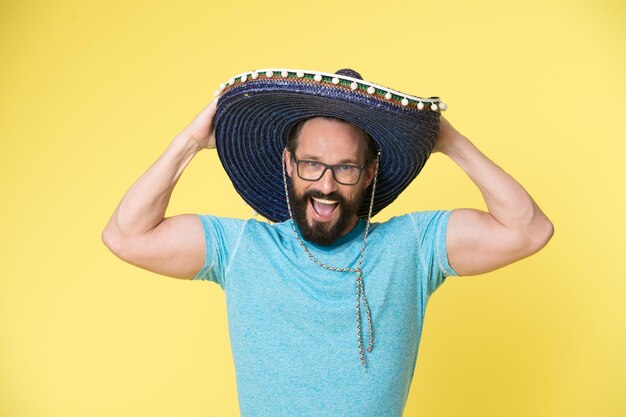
<point x="319" y="232"/>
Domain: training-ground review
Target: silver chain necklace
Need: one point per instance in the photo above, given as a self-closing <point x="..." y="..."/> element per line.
<point x="358" y="270"/>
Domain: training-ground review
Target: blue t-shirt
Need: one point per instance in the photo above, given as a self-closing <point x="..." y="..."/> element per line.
<point x="292" y="323"/>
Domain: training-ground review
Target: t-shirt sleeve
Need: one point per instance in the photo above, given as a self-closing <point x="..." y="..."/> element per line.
<point x="431" y="231"/>
<point x="222" y="237"/>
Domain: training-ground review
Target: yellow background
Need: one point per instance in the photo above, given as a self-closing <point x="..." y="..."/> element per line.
<point x="93" y="92"/>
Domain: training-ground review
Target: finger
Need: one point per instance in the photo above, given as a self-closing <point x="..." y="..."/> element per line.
<point x="208" y="110"/>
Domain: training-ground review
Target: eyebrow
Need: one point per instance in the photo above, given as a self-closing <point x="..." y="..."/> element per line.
<point x="343" y="161"/>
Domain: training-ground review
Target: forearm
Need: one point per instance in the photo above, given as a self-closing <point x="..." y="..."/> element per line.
<point x="143" y="206"/>
<point x="507" y="201"/>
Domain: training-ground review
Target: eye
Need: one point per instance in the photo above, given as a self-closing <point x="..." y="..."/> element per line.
<point x="346" y="168"/>
<point x="311" y="164"/>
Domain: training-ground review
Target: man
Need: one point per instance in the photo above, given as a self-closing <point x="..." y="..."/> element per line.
<point x="319" y="154"/>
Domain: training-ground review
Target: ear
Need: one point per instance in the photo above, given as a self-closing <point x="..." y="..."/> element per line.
<point x="288" y="165"/>
<point x="369" y="172"/>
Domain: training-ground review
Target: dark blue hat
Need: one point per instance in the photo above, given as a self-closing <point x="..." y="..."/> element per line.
<point x="256" y="110"/>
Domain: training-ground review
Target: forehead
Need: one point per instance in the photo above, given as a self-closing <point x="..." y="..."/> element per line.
<point x="332" y="141"/>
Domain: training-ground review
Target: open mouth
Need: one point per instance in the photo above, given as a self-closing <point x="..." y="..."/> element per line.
<point x="324" y="208"/>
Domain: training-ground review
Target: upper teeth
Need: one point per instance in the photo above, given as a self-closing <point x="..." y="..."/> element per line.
<point x="321" y="200"/>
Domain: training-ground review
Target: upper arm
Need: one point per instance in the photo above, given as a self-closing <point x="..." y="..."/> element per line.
<point x="477" y="243"/>
<point x="175" y="247"/>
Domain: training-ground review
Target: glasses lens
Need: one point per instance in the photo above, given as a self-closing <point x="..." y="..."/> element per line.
<point x="310" y="170"/>
<point x="347" y="174"/>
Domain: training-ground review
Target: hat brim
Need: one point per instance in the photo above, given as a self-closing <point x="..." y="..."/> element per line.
<point x="253" y="121"/>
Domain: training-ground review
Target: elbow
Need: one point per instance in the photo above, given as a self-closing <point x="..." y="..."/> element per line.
<point x="540" y="234"/>
<point x="112" y="241"/>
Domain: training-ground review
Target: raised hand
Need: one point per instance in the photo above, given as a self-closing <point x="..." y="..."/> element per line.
<point x="201" y="129"/>
<point x="446" y="134"/>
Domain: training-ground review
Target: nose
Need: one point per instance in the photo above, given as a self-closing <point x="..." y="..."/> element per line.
<point x="327" y="183"/>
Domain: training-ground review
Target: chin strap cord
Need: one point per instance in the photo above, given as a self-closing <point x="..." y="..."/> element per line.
<point x="360" y="292"/>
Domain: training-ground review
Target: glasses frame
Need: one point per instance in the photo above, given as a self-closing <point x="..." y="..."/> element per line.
<point x="327" y="167"/>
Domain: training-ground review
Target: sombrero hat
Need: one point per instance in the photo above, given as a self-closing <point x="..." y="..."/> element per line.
<point x="256" y="110"/>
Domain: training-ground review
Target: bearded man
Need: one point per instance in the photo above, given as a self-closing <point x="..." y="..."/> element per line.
<point x="318" y="155"/>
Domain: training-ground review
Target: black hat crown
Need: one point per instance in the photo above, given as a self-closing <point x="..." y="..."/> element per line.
<point x="349" y="73"/>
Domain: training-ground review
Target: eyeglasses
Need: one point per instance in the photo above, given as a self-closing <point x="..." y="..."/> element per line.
<point x="345" y="174"/>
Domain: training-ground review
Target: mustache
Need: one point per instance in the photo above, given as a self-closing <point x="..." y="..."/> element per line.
<point x="331" y="196"/>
